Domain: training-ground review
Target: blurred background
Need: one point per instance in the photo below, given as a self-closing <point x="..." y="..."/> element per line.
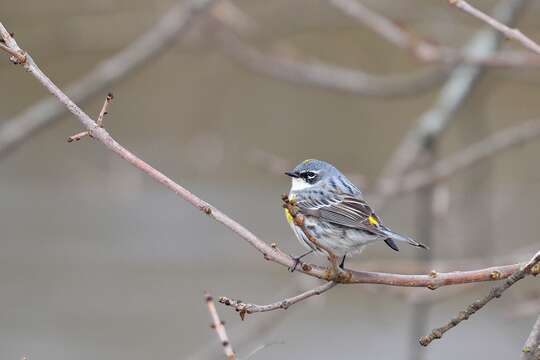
<point x="99" y="261"/>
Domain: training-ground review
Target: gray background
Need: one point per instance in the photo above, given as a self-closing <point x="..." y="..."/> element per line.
<point x="99" y="261"/>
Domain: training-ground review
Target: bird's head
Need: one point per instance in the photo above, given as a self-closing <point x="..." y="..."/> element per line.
<point x="311" y="172"/>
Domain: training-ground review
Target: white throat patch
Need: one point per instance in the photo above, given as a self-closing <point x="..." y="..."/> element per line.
<point x="299" y="184"/>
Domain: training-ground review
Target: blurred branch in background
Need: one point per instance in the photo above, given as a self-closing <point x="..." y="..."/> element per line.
<point x="287" y="65"/>
<point x="531" y="349"/>
<point x="441" y="170"/>
<point x="418" y="146"/>
<point x="510" y="33"/>
<point x="219" y="327"/>
<point x="150" y="44"/>
<point x="425" y="50"/>
<point x="433" y="122"/>
<point x="314" y="73"/>
<point x="425" y="233"/>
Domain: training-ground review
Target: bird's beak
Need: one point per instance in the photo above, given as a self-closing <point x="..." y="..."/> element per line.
<point x="291" y="174"/>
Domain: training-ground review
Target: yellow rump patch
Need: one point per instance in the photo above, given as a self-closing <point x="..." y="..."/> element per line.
<point x="372" y="220"/>
<point x="288" y="216"/>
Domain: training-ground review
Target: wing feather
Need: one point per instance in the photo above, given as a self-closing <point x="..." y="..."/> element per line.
<point x="347" y="211"/>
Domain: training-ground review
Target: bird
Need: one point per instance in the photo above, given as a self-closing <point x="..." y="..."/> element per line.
<point x="335" y="213"/>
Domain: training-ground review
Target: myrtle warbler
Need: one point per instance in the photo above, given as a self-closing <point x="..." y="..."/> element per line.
<point x="335" y="212"/>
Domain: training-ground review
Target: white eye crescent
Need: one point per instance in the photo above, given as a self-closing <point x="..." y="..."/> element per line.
<point x="310" y="175"/>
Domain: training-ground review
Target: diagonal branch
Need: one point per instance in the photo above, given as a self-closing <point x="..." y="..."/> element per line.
<point x="219" y="326"/>
<point x="514" y="34"/>
<point x="246" y="308"/>
<point x="463" y="159"/>
<point x="432" y="123"/>
<point x="425" y="50"/>
<point x="532" y="267"/>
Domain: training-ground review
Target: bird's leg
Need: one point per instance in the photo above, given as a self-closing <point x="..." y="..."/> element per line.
<point x="342" y="264"/>
<point x="297" y="260"/>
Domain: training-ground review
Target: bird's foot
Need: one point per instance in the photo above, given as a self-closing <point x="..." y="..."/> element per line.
<point x="296" y="262"/>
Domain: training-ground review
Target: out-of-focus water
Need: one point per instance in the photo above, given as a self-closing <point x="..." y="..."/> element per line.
<point x="98" y="261"/>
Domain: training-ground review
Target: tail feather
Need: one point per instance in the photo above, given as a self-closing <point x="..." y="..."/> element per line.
<point x="392" y="244"/>
<point x="393" y="236"/>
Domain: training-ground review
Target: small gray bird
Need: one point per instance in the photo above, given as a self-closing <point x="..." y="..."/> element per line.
<point x="335" y="212"/>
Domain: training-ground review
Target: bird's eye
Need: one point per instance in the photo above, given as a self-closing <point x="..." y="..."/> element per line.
<point x="310" y="175"/>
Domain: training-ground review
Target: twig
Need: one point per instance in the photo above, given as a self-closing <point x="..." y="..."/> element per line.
<point x="531" y="267"/>
<point x="328" y="76"/>
<point x="510" y="33"/>
<point x="176" y="21"/>
<point x="531" y="349"/>
<point x="424" y="50"/>
<point x="16" y="57"/>
<point x="246" y="308"/>
<point x="99" y="121"/>
<point x="432" y="123"/>
<point x="269" y="252"/>
<point x="219" y="326"/>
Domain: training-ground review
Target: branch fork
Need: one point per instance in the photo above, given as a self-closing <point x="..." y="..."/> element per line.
<point x="8" y="44"/>
<point x="99" y="122"/>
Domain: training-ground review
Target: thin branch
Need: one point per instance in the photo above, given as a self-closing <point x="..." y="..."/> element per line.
<point x="424" y="50"/>
<point x="316" y="73"/>
<point x="246" y="308"/>
<point x="271" y="253"/>
<point x="176" y="21"/>
<point x="531" y="267"/>
<point x="432" y="123"/>
<point x="531" y="349"/>
<point x="219" y="326"/>
<point x="514" y="34"/>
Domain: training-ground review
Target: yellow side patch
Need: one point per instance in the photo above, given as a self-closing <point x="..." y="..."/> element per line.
<point x="288" y="216"/>
<point x="372" y="220"/>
